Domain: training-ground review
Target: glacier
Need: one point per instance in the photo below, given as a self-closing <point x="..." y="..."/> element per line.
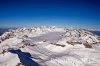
<point x="50" y="46"/>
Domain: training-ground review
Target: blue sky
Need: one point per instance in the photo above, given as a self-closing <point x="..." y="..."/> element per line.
<point x="27" y="13"/>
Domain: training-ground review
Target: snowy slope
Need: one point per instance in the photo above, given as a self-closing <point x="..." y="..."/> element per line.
<point x="51" y="46"/>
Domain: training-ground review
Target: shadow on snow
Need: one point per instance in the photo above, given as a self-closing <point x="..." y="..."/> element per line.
<point x="25" y="58"/>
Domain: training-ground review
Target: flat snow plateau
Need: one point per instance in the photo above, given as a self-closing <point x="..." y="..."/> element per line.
<point x="49" y="46"/>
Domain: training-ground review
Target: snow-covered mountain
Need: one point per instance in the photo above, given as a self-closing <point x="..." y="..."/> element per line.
<point x="50" y="46"/>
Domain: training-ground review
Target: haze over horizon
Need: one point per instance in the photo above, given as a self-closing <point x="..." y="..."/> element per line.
<point x="27" y="13"/>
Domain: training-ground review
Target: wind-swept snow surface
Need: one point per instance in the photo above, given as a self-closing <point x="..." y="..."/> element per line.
<point x="49" y="46"/>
